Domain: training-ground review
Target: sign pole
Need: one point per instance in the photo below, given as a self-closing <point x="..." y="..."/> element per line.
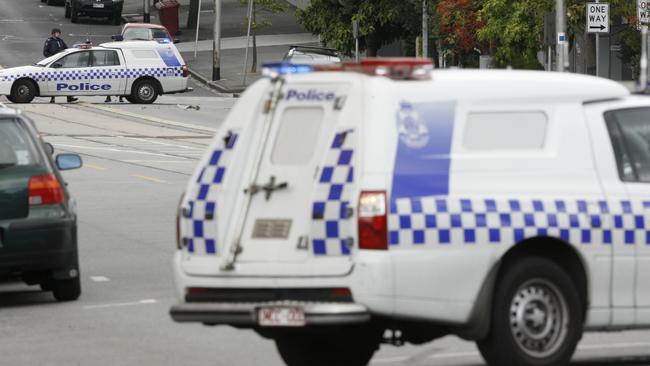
<point x="216" y="43"/>
<point x="196" y="38"/>
<point x="425" y="30"/>
<point x="597" y="51"/>
<point x="560" y="13"/>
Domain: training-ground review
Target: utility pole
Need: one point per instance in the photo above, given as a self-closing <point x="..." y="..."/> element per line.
<point x="216" y="44"/>
<point x="597" y="52"/>
<point x="425" y="30"/>
<point x="146" y="17"/>
<point x="560" y="24"/>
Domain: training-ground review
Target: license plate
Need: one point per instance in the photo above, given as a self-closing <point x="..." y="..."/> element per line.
<point x="271" y="229"/>
<point x="281" y="317"/>
<point x="100" y="6"/>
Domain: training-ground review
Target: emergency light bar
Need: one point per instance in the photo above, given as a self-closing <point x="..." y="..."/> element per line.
<point x="393" y="68"/>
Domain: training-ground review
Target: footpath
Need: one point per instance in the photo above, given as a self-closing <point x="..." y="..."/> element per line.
<point x="272" y="42"/>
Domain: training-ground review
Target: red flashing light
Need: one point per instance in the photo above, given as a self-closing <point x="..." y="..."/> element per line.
<point x="373" y="220"/>
<point x="45" y="190"/>
<point x="396" y="68"/>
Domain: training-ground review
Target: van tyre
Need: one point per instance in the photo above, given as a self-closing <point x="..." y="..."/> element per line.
<point x="145" y="91"/>
<point x="130" y="99"/>
<point x="68" y="10"/>
<point x="536" y="316"/>
<point x="342" y="348"/>
<point x="66" y="290"/>
<point x="23" y="91"/>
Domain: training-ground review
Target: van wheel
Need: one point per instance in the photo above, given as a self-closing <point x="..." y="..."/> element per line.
<point x="66" y="290"/>
<point x="68" y="10"/>
<point x="536" y="316"/>
<point x="23" y="91"/>
<point x="130" y="99"/>
<point x="145" y="92"/>
<point x="336" y="348"/>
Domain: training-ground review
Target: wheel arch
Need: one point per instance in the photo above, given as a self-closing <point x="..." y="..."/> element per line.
<point x="551" y="248"/>
<point x="157" y="82"/>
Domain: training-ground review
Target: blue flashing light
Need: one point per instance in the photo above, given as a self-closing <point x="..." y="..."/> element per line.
<point x="284" y="68"/>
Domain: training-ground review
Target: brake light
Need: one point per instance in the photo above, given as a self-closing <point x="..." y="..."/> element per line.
<point x="45" y="190"/>
<point x="373" y="220"/>
<point x="185" y="70"/>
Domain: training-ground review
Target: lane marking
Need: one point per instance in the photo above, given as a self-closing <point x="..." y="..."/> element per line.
<point x="146" y="118"/>
<point x="120" y="304"/>
<point x="92" y="166"/>
<point x="99" y="278"/>
<point x="117" y="150"/>
<point x="147" y="178"/>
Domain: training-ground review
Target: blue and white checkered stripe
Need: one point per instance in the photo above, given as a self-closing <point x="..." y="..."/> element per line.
<point x="98" y="74"/>
<point x="331" y="229"/>
<point x="433" y="221"/>
<point x="199" y="217"/>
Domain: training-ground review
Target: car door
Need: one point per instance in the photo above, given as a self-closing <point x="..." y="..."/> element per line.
<point x="106" y="76"/>
<point x="630" y="132"/>
<point x="69" y="74"/>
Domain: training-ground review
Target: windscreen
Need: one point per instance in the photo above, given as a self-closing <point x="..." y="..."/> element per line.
<point x="16" y="146"/>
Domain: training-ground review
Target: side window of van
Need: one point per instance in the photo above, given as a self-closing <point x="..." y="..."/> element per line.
<point x="505" y="130"/>
<point x="629" y="130"/>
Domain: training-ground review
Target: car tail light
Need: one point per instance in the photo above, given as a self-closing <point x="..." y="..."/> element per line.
<point x="45" y="190"/>
<point x="179" y="212"/>
<point x="186" y="71"/>
<point x="373" y="220"/>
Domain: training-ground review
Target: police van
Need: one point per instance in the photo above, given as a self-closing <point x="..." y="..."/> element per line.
<point x="138" y="70"/>
<point x="384" y="202"/>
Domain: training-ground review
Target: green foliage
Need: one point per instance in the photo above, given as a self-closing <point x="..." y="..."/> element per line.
<point x="381" y="22"/>
<point x="264" y="6"/>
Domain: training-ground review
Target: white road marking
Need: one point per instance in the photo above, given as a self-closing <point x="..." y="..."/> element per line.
<point x="112" y="149"/>
<point x="99" y="278"/>
<point x="584" y="347"/>
<point x="120" y="304"/>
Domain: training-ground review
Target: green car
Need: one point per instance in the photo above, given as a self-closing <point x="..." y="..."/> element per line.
<point x="38" y="222"/>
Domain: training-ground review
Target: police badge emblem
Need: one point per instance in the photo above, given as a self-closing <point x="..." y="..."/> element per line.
<point x="412" y="130"/>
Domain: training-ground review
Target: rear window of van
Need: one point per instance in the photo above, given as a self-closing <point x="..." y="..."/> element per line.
<point x="505" y="130"/>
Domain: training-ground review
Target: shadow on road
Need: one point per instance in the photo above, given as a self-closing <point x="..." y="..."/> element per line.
<point x="16" y="294"/>
<point x="615" y="361"/>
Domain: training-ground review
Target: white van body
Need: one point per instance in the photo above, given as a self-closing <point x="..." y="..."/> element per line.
<point x="114" y="68"/>
<point x="480" y="170"/>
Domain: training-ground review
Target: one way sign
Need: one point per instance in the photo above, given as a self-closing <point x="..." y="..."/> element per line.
<point x="597" y="18"/>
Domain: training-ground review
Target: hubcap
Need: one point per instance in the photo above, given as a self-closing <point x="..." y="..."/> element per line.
<point x="539" y="318"/>
<point x="23" y="90"/>
<point x="146" y="92"/>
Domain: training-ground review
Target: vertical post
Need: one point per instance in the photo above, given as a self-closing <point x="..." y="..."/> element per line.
<point x="425" y="30"/>
<point x="355" y="34"/>
<point x="146" y="17"/>
<point x="560" y="24"/>
<point x="597" y="52"/>
<point x="216" y="43"/>
<point x="549" y="59"/>
<point x="643" y="64"/>
<point x="248" y="38"/>
<point x="196" y="37"/>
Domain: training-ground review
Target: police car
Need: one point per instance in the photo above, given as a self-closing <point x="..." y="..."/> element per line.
<point x="140" y="71"/>
<point x="386" y="202"/>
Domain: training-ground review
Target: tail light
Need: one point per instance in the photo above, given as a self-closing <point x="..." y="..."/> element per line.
<point x="179" y="212"/>
<point x="45" y="190"/>
<point x="185" y="70"/>
<point x="373" y="221"/>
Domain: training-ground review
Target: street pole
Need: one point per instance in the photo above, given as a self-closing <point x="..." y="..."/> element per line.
<point x="560" y="24"/>
<point x="425" y="30"/>
<point x="146" y="17"/>
<point x="643" y="64"/>
<point x="196" y="36"/>
<point x="216" y="44"/>
<point x="248" y="38"/>
<point x="597" y="51"/>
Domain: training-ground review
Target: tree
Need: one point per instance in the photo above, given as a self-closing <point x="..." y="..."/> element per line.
<point x="381" y="22"/>
<point x="261" y="7"/>
<point x="458" y="24"/>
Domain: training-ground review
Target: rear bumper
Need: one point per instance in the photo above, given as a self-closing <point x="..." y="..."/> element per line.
<point x="245" y="314"/>
<point x="100" y="12"/>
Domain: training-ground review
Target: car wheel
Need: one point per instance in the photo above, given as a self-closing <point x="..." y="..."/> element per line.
<point x="344" y="348"/>
<point x="130" y="99"/>
<point x="74" y="14"/>
<point x="536" y="316"/>
<point x="66" y="290"/>
<point x="145" y="92"/>
<point x="23" y="91"/>
<point x="68" y="11"/>
<point x="9" y="98"/>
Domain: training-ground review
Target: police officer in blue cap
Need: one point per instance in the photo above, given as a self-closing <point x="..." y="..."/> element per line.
<point x="54" y="45"/>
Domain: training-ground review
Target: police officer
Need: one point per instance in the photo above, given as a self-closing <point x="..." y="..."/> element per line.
<point x="54" y="45"/>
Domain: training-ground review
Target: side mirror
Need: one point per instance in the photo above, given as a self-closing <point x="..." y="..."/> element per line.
<point x="117" y="38"/>
<point x="49" y="148"/>
<point x="56" y="65"/>
<point x="68" y="161"/>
